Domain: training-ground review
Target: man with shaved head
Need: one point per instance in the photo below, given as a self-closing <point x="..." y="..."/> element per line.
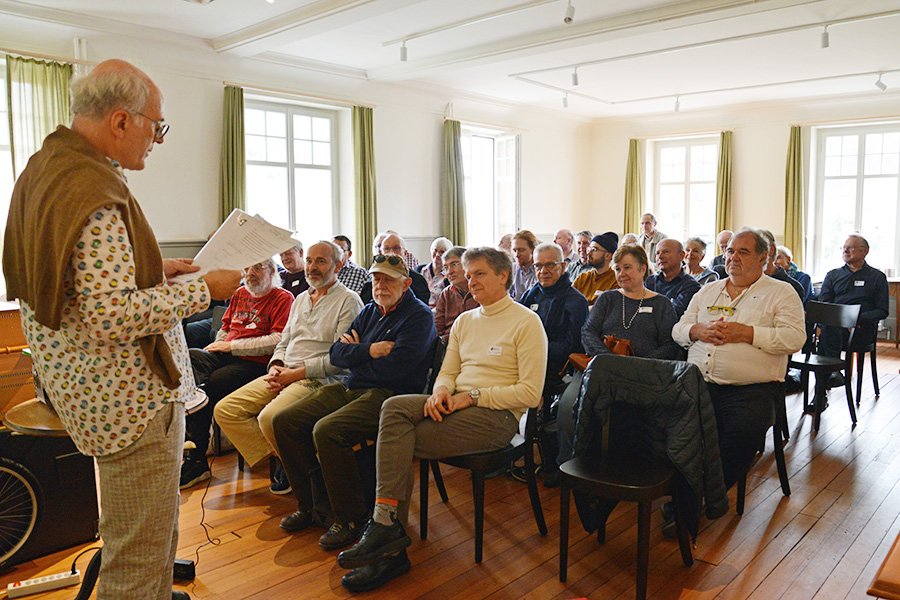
<point x="670" y="279"/>
<point x="103" y="318"/>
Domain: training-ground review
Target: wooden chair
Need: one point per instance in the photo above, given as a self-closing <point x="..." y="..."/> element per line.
<point x="860" y="352"/>
<point x="830" y="315"/>
<point x="481" y="464"/>
<point x="778" y="440"/>
<point x="623" y="472"/>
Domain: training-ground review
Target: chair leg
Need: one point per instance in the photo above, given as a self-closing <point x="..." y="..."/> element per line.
<point x="563" y="528"/>
<point x="781" y="421"/>
<point x="741" y="492"/>
<point x="216" y="439"/>
<point x="423" y="498"/>
<point x="874" y="371"/>
<point x="848" y="389"/>
<point x="533" y="491"/>
<point x="819" y="400"/>
<point x="643" y="549"/>
<point x="438" y="480"/>
<point x="478" y="496"/>
<point x="780" y="463"/>
<point x="804" y="381"/>
<point x="860" y="367"/>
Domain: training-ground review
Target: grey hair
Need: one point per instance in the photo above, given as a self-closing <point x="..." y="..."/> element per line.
<point x="270" y="265"/>
<point x="550" y="246"/>
<point x="864" y="241"/>
<point x="698" y="241"/>
<point x="786" y="251"/>
<point x="760" y="241"/>
<point x="443" y="243"/>
<point x="96" y="95"/>
<point x="298" y="245"/>
<point x="585" y="233"/>
<point x="337" y="253"/>
<point x="651" y="215"/>
<point x="770" y="237"/>
<point x="454" y="252"/>
<point x="498" y="260"/>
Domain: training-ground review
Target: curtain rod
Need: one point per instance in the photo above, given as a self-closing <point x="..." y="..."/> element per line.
<point x="74" y="61"/>
<point x="295" y="94"/>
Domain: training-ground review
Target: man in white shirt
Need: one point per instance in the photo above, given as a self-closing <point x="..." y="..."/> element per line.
<point x="740" y="331"/>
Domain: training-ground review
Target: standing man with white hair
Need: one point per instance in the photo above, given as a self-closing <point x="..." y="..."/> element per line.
<point x="104" y="322"/>
<point x="650" y="236"/>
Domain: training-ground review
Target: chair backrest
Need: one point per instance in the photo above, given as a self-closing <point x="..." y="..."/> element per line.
<point x="439" y="349"/>
<point x="832" y="315"/>
<point x="217" y="314"/>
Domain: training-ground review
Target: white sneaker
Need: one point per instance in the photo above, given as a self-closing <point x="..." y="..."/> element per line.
<point x="195" y="402"/>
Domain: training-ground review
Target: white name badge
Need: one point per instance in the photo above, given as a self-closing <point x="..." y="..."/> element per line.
<point x="645" y="309"/>
<point x="533" y="307"/>
<point x="251" y="326"/>
<point x="859" y="283"/>
<point x="295" y="282"/>
<point x="495" y="350"/>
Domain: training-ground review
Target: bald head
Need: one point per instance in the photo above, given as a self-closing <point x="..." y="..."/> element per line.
<point x="669" y="256"/>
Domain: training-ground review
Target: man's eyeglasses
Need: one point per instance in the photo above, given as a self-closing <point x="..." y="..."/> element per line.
<point x="160" y="129"/>
<point x="391" y="260"/>
<point x="720" y="310"/>
<point x="542" y="266"/>
<point x="448" y="266"/>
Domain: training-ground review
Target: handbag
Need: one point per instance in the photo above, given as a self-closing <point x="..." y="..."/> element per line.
<point x="617" y="345"/>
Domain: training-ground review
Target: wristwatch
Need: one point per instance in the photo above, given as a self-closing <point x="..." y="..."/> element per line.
<point x="474" y="394"/>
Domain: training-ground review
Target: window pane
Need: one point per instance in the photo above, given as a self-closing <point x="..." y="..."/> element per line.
<point x="256" y="147"/>
<point x="302" y="153"/>
<point x="891" y="143"/>
<point x="267" y="194"/>
<point x="321" y="130"/>
<point x="478" y="167"/>
<point x="321" y="153"/>
<point x="879" y="220"/>
<point x="276" y="150"/>
<point x="671" y="167"/>
<point x="702" y="212"/>
<point x="302" y="129"/>
<point x="890" y="164"/>
<point x="254" y="121"/>
<point x="704" y="162"/>
<point x="312" y="193"/>
<point x="276" y="124"/>
<point x="848" y="165"/>
<point x="671" y="210"/>
<point x="832" y="166"/>
<point x="838" y="218"/>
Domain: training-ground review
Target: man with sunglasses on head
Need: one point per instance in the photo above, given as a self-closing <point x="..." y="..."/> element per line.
<point x="387" y="351"/>
<point x="740" y="331"/>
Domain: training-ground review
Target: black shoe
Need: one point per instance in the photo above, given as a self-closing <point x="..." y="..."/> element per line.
<point x="377" y="542"/>
<point x="835" y="380"/>
<point x="193" y="472"/>
<point x="340" y="535"/>
<point x="280" y="484"/>
<point x="298" y="521"/>
<point x="376" y="575"/>
<point x="176" y="595"/>
<point x="551" y="478"/>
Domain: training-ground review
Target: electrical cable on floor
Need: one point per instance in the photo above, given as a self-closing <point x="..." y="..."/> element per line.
<point x="209" y="540"/>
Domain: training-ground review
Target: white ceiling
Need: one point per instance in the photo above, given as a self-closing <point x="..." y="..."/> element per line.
<point x="634" y="56"/>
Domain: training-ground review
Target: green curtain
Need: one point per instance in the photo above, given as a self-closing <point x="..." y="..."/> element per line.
<point x="38" y="100"/>
<point x="724" y="183"/>
<point x="453" y="193"/>
<point x="793" y="196"/>
<point x="634" y="188"/>
<point x="364" y="178"/>
<point x="234" y="168"/>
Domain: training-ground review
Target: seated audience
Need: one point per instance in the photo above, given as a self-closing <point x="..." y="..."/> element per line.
<point x="670" y="279"/>
<point x="387" y="350"/>
<point x="784" y="259"/>
<point x="600" y="277"/>
<point x="492" y="373"/>
<point x="856" y="282"/>
<point x="351" y="274"/>
<point x="293" y="279"/>
<point x="694" y="252"/>
<point x="722" y="240"/>
<point x="523" y="245"/>
<point x="456" y="297"/>
<point x="300" y="364"/>
<point x="773" y="270"/>
<point x="582" y="249"/>
<point x="433" y="272"/>
<point x="740" y="331"/>
<point x="251" y="328"/>
<point x="565" y="239"/>
<point x="394" y="245"/>
<point x="650" y="236"/>
<point x="561" y="308"/>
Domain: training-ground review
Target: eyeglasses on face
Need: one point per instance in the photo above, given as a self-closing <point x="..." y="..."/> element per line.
<point x="720" y="310"/>
<point x="391" y="260"/>
<point x="542" y="266"/>
<point x="160" y="129"/>
<point x="451" y="265"/>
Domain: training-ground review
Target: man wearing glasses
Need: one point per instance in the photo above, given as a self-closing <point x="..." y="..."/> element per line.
<point x="394" y="245"/>
<point x="740" y="331"/>
<point x="856" y="282"/>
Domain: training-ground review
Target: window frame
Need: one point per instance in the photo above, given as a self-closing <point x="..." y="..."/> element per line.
<point x="290" y="109"/>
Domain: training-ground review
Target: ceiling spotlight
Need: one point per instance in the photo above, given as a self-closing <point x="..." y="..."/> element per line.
<point x="880" y="84"/>
<point x="570" y="13"/>
<point x="566" y="101"/>
<point x="575" y="77"/>
<point x="825" y="41"/>
<point x="677" y="103"/>
<point x="403" y="52"/>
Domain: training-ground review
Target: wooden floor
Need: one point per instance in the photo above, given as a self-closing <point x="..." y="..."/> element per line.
<point x="825" y="541"/>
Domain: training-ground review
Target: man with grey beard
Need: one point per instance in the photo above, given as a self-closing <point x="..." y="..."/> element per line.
<point x="251" y="328"/>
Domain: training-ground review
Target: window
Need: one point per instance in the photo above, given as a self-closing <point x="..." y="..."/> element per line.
<point x="491" y="169"/>
<point x="292" y="174"/>
<point x="856" y="190"/>
<point x="682" y="191"/>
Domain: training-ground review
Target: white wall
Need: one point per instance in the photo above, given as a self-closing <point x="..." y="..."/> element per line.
<point x="180" y="186"/>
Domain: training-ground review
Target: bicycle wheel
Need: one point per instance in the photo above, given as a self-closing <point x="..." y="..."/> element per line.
<point x="19" y="507"/>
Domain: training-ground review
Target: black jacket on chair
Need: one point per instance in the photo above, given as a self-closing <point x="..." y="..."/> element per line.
<point x="673" y="396"/>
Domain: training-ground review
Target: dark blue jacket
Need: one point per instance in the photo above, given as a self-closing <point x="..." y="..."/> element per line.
<point x="404" y="371"/>
<point x="680" y="290"/>
<point x="563" y="311"/>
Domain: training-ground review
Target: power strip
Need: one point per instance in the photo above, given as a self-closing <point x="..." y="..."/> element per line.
<point x="42" y="584"/>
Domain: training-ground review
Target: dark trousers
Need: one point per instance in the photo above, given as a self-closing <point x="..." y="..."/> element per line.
<point x="744" y="414"/>
<point x="219" y="374"/>
<point x="329" y="422"/>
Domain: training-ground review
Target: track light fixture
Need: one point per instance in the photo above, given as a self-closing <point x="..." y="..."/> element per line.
<point x="403" y="52"/>
<point x="880" y="84"/>
<point x="677" y="103"/>
<point x="575" y="77"/>
<point x="565" y="101"/>
<point x="570" y="13"/>
<point x="825" y="40"/>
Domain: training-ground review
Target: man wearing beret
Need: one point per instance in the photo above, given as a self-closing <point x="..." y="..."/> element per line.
<point x="601" y="276"/>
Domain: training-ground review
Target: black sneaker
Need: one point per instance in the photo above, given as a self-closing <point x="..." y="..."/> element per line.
<point x="378" y="541"/>
<point x="280" y="484"/>
<point x="376" y="575"/>
<point x="835" y="380"/>
<point x="340" y="535"/>
<point x="193" y="472"/>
